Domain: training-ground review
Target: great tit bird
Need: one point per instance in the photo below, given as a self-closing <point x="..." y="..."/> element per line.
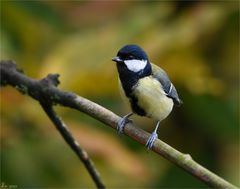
<point x="147" y="87"/>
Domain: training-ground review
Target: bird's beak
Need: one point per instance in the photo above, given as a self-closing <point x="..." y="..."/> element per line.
<point x="117" y="59"/>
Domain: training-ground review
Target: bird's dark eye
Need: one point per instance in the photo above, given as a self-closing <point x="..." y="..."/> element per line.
<point x="130" y="57"/>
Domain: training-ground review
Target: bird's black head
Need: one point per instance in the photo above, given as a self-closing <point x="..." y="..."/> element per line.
<point x="131" y="52"/>
<point x="132" y="64"/>
<point x="133" y="58"/>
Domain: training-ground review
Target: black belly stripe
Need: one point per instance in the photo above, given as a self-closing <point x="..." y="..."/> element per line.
<point x="128" y="80"/>
<point x="135" y="107"/>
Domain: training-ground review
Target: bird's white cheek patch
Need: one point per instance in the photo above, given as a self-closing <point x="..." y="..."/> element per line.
<point x="135" y="65"/>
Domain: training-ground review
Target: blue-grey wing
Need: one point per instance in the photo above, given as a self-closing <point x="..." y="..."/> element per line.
<point x="167" y="86"/>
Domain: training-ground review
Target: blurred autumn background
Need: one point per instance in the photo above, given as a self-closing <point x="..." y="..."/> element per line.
<point x="197" y="43"/>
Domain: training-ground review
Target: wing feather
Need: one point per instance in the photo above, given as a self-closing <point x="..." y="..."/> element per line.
<point x="168" y="87"/>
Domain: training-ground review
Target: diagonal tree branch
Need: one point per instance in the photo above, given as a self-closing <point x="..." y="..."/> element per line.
<point x="59" y="124"/>
<point x="82" y="154"/>
<point x="46" y="90"/>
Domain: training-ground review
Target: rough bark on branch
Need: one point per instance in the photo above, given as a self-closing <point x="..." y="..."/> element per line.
<point x="37" y="92"/>
<point x="46" y="89"/>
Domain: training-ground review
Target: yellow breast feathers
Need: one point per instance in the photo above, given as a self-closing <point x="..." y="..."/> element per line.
<point x="152" y="98"/>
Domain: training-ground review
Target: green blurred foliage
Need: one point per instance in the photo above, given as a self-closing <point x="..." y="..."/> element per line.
<point x="197" y="43"/>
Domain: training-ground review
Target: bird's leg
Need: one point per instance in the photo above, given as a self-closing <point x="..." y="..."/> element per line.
<point x="152" y="137"/>
<point x="122" y="122"/>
